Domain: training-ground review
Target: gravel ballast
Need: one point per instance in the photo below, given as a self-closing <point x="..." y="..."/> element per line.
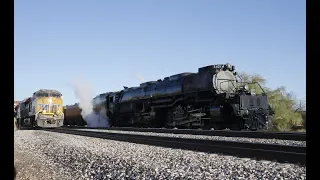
<point x="65" y="156"/>
<point x="220" y="138"/>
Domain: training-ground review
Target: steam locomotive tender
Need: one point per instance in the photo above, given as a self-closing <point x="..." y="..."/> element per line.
<point x="211" y="98"/>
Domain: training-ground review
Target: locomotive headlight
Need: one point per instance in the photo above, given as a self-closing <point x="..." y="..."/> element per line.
<point x="253" y="92"/>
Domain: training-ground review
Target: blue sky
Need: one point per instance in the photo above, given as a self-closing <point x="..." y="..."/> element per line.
<point x="110" y="42"/>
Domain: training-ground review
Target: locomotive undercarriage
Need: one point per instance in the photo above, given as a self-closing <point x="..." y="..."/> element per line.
<point x="190" y="112"/>
<point x="28" y="122"/>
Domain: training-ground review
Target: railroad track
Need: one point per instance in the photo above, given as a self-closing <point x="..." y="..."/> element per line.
<point x="297" y="136"/>
<point x="280" y="153"/>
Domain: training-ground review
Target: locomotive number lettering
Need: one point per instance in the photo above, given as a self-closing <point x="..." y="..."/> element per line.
<point x="218" y="66"/>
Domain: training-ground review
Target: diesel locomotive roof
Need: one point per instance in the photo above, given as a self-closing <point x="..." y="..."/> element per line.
<point x="47" y="91"/>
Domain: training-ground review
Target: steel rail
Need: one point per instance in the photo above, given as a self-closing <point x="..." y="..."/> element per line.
<point x="273" y="152"/>
<point x="297" y="136"/>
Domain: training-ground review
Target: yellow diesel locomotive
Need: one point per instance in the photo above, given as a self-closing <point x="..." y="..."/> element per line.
<point x="44" y="109"/>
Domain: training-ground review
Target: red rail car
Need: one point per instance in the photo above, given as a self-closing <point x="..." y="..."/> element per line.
<point x="72" y="116"/>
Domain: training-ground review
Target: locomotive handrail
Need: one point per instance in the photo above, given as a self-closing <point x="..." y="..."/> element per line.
<point x="226" y="80"/>
<point x="251" y="83"/>
<point x="244" y="83"/>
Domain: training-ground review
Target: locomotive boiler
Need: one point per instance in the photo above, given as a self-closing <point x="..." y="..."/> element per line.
<point x="211" y="98"/>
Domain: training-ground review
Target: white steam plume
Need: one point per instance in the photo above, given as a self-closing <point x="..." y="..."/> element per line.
<point x="140" y="77"/>
<point x="83" y="92"/>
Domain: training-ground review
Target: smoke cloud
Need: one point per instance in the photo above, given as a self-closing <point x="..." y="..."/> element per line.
<point x="140" y="77"/>
<point x="84" y="93"/>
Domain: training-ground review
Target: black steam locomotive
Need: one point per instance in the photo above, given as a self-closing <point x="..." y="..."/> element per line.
<point x="211" y="98"/>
